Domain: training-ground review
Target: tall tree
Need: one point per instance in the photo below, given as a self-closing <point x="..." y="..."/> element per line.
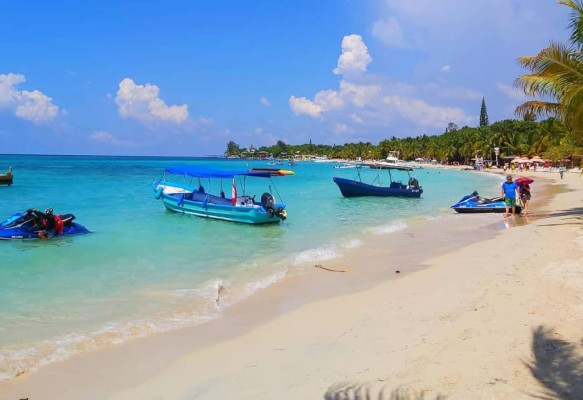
<point x="451" y="127"/>
<point x="232" y="149"/>
<point x="483" y="114"/>
<point x="555" y="80"/>
<point x="281" y="148"/>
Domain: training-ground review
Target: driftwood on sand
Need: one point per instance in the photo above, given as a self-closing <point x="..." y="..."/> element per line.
<point x="330" y="269"/>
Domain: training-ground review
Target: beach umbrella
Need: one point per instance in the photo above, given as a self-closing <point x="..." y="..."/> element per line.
<point x="515" y="160"/>
<point x="524" y="160"/>
<point x="523" y="179"/>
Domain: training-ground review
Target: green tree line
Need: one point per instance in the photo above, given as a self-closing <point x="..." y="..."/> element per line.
<point x="549" y="138"/>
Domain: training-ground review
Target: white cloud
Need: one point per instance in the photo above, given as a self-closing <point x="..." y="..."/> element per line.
<point x="513" y="93"/>
<point x="108" y="138"/>
<point x="324" y="100"/>
<point x="422" y="21"/>
<point x="301" y="105"/>
<point x="340" y="128"/>
<point x="372" y="101"/>
<point x="329" y="100"/>
<point x="354" y="57"/>
<point x="424" y="114"/>
<point x="143" y="103"/>
<point x="32" y="106"/>
<point x="390" y="32"/>
<point x="455" y="93"/>
<point x="205" y="122"/>
<point x="359" y="95"/>
<point x="445" y="68"/>
<point x="264" y="102"/>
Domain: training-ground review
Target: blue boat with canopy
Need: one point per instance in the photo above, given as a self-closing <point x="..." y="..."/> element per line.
<point x="358" y="188"/>
<point x="191" y="197"/>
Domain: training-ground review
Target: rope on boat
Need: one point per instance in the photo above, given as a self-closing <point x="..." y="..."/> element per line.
<point x="277" y="191"/>
<point x="331" y="269"/>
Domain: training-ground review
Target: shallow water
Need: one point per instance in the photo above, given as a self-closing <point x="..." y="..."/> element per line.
<point x="144" y="270"/>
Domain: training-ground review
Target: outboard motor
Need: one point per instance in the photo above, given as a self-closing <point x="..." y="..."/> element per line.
<point x="413" y="183"/>
<point x="268" y="202"/>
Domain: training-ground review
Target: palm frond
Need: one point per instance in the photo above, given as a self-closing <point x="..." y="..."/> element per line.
<point x="554" y="69"/>
<point x="538" y="108"/>
<point x="575" y="22"/>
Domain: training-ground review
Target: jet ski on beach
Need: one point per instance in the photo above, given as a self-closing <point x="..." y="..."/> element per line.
<point x="474" y="203"/>
<point x="34" y="224"/>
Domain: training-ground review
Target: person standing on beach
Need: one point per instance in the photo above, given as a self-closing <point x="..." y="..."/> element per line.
<point x="524" y="191"/>
<point x="509" y="189"/>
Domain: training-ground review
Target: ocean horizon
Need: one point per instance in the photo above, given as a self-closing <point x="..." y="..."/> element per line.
<point x="145" y="270"/>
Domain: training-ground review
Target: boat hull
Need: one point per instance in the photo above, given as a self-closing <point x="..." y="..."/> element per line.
<point x="352" y="188"/>
<point x="6" y="179"/>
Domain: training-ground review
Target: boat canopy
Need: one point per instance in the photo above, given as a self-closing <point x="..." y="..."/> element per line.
<point x="384" y="165"/>
<point x="198" y="171"/>
<point x="400" y="167"/>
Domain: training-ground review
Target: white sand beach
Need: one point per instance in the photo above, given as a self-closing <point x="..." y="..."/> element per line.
<point x="497" y="317"/>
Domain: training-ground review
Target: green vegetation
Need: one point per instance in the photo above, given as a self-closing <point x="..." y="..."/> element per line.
<point x="555" y="83"/>
<point x="555" y="80"/>
<point x="549" y="138"/>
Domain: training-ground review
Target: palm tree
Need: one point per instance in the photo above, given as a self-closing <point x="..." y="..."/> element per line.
<point x="549" y="133"/>
<point x="556" y="76"/>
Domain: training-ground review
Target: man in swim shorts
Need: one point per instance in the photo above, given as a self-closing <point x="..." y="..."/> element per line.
<point x="509" y="194"/>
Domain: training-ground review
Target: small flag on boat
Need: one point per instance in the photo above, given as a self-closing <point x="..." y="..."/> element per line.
<point x="234" y="193"/>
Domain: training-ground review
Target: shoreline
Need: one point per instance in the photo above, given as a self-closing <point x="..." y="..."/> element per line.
<point x="158" y="360"/>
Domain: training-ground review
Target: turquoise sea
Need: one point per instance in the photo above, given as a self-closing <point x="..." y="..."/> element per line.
<point x="144" y="270"/>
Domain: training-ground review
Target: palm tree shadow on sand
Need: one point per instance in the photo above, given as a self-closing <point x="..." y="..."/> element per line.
<point x="557" y="365"/>
<point x="369" y="391"/>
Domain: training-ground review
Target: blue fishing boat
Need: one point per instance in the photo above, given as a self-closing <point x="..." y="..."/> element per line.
<point x="31" y="224"/>
<point x="192" y="198"/>
<point x="356" y="187"/>
<point x="474" y="203"/>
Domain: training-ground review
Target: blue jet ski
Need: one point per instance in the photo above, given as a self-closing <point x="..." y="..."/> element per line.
<point x="474" y="203"/>
<point x="29" y="225"/>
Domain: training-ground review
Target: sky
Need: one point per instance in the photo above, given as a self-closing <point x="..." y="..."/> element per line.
<point x="183" y="78"/>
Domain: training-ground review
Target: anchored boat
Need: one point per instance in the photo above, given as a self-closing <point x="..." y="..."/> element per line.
<point x="191" y="197"/>
<point x="7" y="178"/>
<point x="356" y="187"/>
